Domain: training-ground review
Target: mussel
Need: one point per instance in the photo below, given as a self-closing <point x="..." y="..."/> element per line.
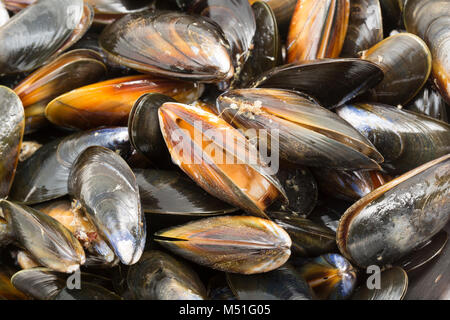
<point x="107" y="190"/>
<point x="44" y="175"/>
<point x="308" y="133"/>
<point x="318" y="29"/>
<point x="430" y="103"/>
<point x="391" y="221"/>
<point x="108" y="103"/>
<point x="11" y="135"/>
<point x="218" y="158"/>
<point x="237" y="244"/>
<point x="172" y="44"/>
<point x="405" y="139"/>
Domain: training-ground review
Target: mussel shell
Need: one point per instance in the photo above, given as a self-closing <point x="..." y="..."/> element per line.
<point x="317" y="30"/>
<point x="405" y="139"/>
<point x="284" y="283"/>
<point x="11" y="134"/>
<point x="332" y="82"/>
<point x="108" y="103"/>
<point x="45" y="284"/>
<point x="301" y="190"/>
<point x="143" y="128"/>
<point x="392" y="14"/>
<point x="107" y="189"/>
<point x="309" y="239"/>
<point x="365" y="27"/>
<point x="393" y="286"/>
<point x="283" y="10"/>
<point x="88" y="291"/>
<point x="169" y="192"/>
<point x="330" y="276"/>
<point x="430" y="103"/>
<point x="7" y="290"/>
<point x="4" y="15"/>
<point x="390" y="222"/>
<point x="119" y="6"/>
<point x="404" y="74"/>
<point x="44" y="175"/>
<point x="218" y="158"/>
<point x="50" y="243"/>
<point x="33" y="36"/>
<point x="425" y="253"/>
<point x="172" y="44"/>
<point x="237" y="21"/>
<point x="266" y="52"/>
<point x="349" y="185"/>
<point x="158" y="276"/>
<point x="237" y="244"/>
<point x="329" y="211"/>
<point x="308" y="134"/>
<point x="419" y="14"/>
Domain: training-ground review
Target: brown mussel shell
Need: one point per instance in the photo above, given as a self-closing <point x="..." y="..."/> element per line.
<point x="405" y="139"/>
<point x="107" y="190"/>
<point x="332" y="82"/>
<point x="11" y="135"/>
<point x="218" y="158"/>
<point x="308" y="133"/>
<point x="172" y="44"/>
<point x="159" y="276"/>
<point x="404" y="74"/>
<point x="365" y="27"/>
<point x="50" y="243"/>
<point x="108" y="103"/>
<point x="237" y="244"/>
<point x="171" y="193"/>
<point x="318" y="29"/>
<point x="390" y="222"/>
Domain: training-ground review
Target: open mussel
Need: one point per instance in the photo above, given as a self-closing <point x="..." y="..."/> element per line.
<point x="107" y="190"/>
<point x="172" y="44"/>
<point x="406" y="63"/>
<point x="44" y="175"/>
<point x="332" y="82"/>
<point x="405" y="139"/>
<point x="284" y="283"/>
<point x="11" y="135"/>
<point x="237" y="244"/>
<point x="266" y="52"/>
<point x="51" y="80"/>
<point x="397" y="217"/>
<point x="218" y="158"/>
<point x="308" y="133"/>
<point x="317" y="30"/>
<point x="108" y="103"/>
<point x="430" y="20"/>
<point x="31" y="38"/>
<point x="171" y="193"/>
<point x="330" y="276"/>
<point x="365" y="27"/>
<point x="158" y="276"/>
<point x="49" y="242"/>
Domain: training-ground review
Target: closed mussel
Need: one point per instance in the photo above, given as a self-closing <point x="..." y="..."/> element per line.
<point x="218" y="158"/>
<point x="318" y="29"/>
<point x="405" y="139"/>
<point x="430" y="103"/>
<point x="108" y="103"/>
<point x="308" y="133"/>
<point x="397" y="217"/>
<point x="11" y="135"/>
<point x="237" y="244"/>
<point x="44" y="175"/>
<point x="166" y="43"/>
<point x="158" y="276"/>
<point x="107" y="190"/>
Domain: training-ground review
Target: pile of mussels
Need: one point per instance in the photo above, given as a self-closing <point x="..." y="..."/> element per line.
<point x="116" y="116"/>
